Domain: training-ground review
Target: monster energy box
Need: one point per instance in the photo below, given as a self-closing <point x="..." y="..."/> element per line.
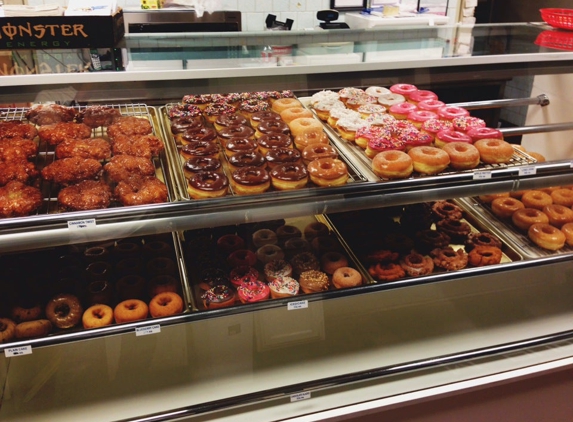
<point x="48" y="32"/>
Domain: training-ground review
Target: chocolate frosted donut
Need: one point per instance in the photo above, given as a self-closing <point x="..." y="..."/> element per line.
<point x="237" y="145"/>
<point x="201" y="134"/>
<point x="241" y="131"/>
<point x="228" y="120"/>
<point x="183" y="124"/>
<point x="200" y="149"/>
<point x="259" y="116"/>
<point x="274" y="140"/>
<point x="246" y="159"/>
<point x="277" y="156"/>
<point x="273" y="126"/>
<point x="196" y="164"/>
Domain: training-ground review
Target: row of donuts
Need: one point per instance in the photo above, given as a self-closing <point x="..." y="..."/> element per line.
<point x="415" y="131"/>
<point x="417" y="240"/>
<point x="269" y="261"/>
<point x="271" y="146"/>
<point x="545" y="215"/>
<point x="88" y="286"/>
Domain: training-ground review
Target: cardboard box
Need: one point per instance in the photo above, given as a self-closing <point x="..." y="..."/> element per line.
<point x="48" y="32"/>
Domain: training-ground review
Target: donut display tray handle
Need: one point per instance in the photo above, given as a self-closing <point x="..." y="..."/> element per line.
<point x="506" y="231"/>
<point x="519" y="158"/>
<point x="180" y="182"/>
<point x="46" y="153"/>
<point x="509" y="253"/>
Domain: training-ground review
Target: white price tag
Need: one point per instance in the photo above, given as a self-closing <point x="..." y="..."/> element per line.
<point x="527" y="171"/>
<point x="18" y="351"/>
<point x="151" y="329"/>
<point x="81" y="224"/>
<point x="300" y="396"/>
<point x="482" y="175"/>
<point x="299" y="304"/>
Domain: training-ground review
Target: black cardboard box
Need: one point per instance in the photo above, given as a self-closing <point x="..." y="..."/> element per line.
<point x="48" y="32"/>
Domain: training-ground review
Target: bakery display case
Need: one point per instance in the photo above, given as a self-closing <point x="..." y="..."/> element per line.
<point x="319" y="354"/>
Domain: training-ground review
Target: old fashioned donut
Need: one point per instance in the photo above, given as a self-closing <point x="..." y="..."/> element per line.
<point x="304" y="125"/>
<point x="446" y="209"/>
<point x="429" y="160"/>
<point x="450" y="259"/>
<point x="458" y="230"/>
<point x="463" y="156"/>
<point x="536" y="199"/>
<point x="130" y="310"/>
<point x="392" y="165"/>
<point x="328" y="172"/>
<point x="7" y="330"/>
<point x="386" y="271"/>
<point x="332" y="260"/>
<point x="33" y="329"/>
<point x="165" y="304"/>
<point x="494" y="151"/>
<point x="345" y="277"/>
<point x="484" y="255"/>
<point x="96" y="316"/>
<point x="427" y="240"/>
<point x="416" y="264"/>
<point x="558" y="214"/>
<point x="64" y="311"/>
<point x="505" y="207"/>
<point x="481" y="239"/>
<point x="562" y="196"/>
<point x="526" y="217"/>
<point x="546" y="236"/>
<point x="567" y="230"/>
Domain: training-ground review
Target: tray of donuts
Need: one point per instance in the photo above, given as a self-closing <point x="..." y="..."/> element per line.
<point x="418" y="240"/>
<point x="403" y="132"/>
<point x="236" y="146"/>
<point x="58" y="158"/>
<point x="89" y="286"/>
<point x="279" y="259"/>
<point x="538" y="222"/>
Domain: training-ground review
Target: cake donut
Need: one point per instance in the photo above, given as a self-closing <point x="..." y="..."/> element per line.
<point x="345" y="277"/>
<point x="415" y="264"/>
<point x="494" y="151"/>
<point x="33" y="329"/>
<point x="304" y="261"/>
<point x="386" y="271"/>
<point x="450" y="259"/>
<point x="268" y="253"/>
<point x="130" y="310"/>
<point x="96" y="316"/>
<point x="7" y="330"/>
<point x="331" y="261"/>
<point x="484" y="255"/>
<point x="263" y="237"/>
<point x="392" y="165"/>
<point x="165" y="304"/>
<point x="429" y="160"/>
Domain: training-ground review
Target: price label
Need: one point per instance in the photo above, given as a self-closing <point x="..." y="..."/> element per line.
<point x="482" y="175"/>
<point x="81" y="224"/>
<point x="299" y="304"/>
<point x="527" y="171"/>
<point x="18" y="351"/>
<point x="300" y="396"/>
<point x="151" y="329"/>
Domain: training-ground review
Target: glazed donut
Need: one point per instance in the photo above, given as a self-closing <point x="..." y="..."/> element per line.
<point x="344" y="277"/>
<point x="558" y="214"/>
<point x="562" y="197"/>
<point x="246" y="159"/>
<point x="446" y="209"/>
<point x="546" y="236"/>
<point x="304" y="125"/>
<point x="427" y="240"/>
<point x="254" y="291"/>
<point x="484" y="255"/>
<point x="526" y="217"/>
<point x="422" y="95"/>
<point x="96" y="316"/>
<point x="289" y="176"/>
<point x="451" y="112"/>
<point x="250" y="180"/>
<point x="64" y="311"/>
<point x="33" y="329"/>
<point x="268" y="253"/>
<point x="130" y="310"/>
<point x="207" y="184"/>
<point x="20" y="313"/>
<point x="463" y="156"/>
<point x="282" y="104"/>
<point x="165" y="304"/>
<point x="310" y="138"/>
<point x="450" y="259"/>
<point x="277" y="156"/>
<point x="240" y="275"/>
<point x="316" y="151"/>
<point x="332" y="260"/>
<point x="313" y="281"/>
<point x="162" y="283"/>
<point x="218" y="297"/>
<point x="392" y="165"/>
<point x="494" y="151"/>
<point x="242" y="258"/>
<point x="567" y="230"/>
<point x="415" y="264"/>
<point x="283" y="287"/>
<point x="328" y="172"/>
<point x="458" y="230"/>
<point x="489" y="198"/>
<point x="264" y="237"/>
<point x="7" y="330"/>
<point x="536" y="199"/>
<point x="505" y="207"/>
<point x="477" y="133"/>
<point x="240" y="145"/>
<point x="388" y="271"/>
<point x="537" y="156"/>
<point x="429" y="160"/>
<point x="481" y="239"/>
<point x="274" y="140"/>
<point x="448" y="136"/>
<point x="277" y="269"/>
<point x="304" y="261"/>
<point x="315" y="229"/>
<point x="292" y="113"/>
<point x="403" y="89"/>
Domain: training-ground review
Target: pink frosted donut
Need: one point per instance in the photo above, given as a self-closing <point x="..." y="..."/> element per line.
<point x="418" y="117"/>
<point x="444" y="137"/>
<point x="431" y="105"/>
<point x="422" y="95"/>
<point x="401" y="111"/>
<point x="477" y="133"/>
<point x="403" y="89"/>
<point x="451" y="112"/>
